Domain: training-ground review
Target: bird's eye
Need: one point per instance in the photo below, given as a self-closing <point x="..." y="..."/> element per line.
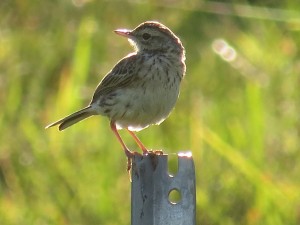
<point x="146" y="36"/>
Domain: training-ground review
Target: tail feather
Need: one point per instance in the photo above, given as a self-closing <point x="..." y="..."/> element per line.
<point x="73" y="118"/>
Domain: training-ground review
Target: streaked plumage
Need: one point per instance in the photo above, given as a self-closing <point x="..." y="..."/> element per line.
<point x="142" y="88"/>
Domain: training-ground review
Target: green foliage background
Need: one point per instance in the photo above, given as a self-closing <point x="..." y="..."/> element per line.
<point x="238" y="110"/>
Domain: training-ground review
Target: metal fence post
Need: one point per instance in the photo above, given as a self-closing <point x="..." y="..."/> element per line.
<point x="150" y="188"/>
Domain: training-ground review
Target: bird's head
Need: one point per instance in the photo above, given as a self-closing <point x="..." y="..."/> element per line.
<point x="152" y="36"/>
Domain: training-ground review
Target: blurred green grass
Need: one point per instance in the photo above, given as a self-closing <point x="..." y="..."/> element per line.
<point x="238" y="112"/>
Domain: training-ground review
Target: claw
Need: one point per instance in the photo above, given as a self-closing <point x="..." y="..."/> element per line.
<point x="130" y="155"/>
<point x="153" y="152"/>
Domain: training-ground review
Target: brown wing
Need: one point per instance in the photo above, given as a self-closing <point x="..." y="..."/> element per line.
<point x="122" y="75"/>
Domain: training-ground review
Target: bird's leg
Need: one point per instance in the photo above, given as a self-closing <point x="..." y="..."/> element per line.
<point x="128" y="153"/>
<point x="139" y="143"/>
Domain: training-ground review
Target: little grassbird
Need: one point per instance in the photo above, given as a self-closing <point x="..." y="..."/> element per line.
<point x="142" y="88"/>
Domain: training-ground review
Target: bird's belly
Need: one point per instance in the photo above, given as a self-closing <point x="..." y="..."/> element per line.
<point x="137" y="109"/>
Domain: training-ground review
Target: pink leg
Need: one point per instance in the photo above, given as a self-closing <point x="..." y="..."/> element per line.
<point x="139" y="143"/>
<point x="113" y="127"/>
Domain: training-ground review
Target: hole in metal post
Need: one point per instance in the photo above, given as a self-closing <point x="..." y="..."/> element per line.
<point x="172" y="165"/>
<point x="174" y="196"/>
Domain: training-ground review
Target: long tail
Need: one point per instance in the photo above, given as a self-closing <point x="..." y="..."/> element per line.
<point x="73" y="118"/>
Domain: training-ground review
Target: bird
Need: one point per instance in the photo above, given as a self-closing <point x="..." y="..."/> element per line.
<point x="142" y="88"/>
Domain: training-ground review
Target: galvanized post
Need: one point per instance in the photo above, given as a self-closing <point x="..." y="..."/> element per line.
<point x="150" y="188"/>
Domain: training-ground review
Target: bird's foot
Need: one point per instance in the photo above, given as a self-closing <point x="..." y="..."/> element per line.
<point x="130" y="155"/>
<point x="153" y="157"/>
<point x="153" y="152"/>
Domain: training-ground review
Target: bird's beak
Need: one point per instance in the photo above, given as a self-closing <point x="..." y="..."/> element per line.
<point x="124" y="33"/>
